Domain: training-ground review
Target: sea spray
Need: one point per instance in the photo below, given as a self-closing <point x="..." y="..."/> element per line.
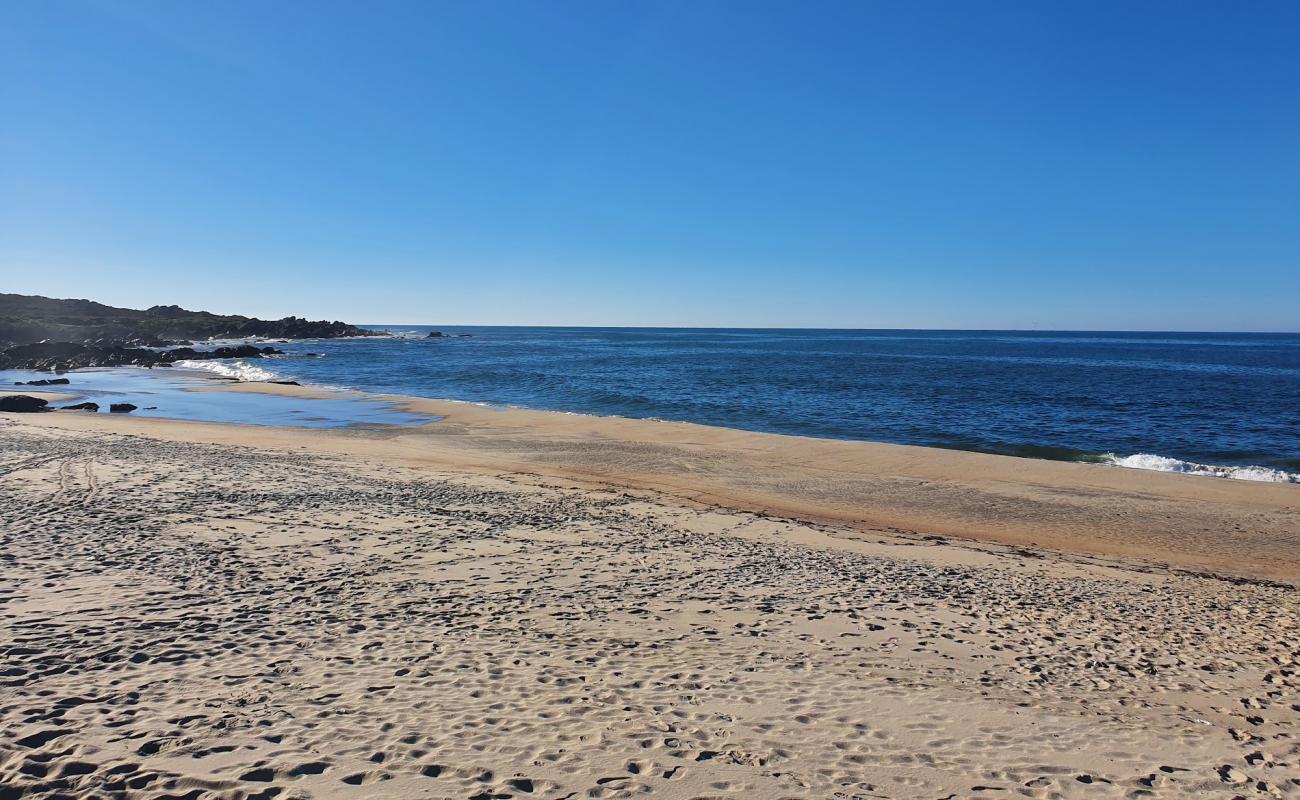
<point x="239" y="370"/>
<point x="1167" y="464"/>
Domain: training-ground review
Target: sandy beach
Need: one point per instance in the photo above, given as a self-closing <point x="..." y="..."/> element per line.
<point x="840" y="401"/>
<point x="512" y="604"/>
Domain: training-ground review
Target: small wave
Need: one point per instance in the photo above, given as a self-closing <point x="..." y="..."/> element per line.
<point x="239" y="370"/>
<point x="1167" y="464"/>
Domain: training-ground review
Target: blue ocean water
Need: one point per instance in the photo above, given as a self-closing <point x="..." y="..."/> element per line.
<point x="1212" y="398"/>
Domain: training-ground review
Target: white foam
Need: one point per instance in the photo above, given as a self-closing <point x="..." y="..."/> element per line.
<point x="1167" y="464"/>
<point x="240" y="370"/>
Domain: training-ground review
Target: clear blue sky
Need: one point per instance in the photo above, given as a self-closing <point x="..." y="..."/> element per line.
<point x="908" y="164"/>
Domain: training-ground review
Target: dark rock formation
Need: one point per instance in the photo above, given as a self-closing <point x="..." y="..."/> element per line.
<point x="28" y="318"/>
<point x="122" y="408"/>
<point x="44" y="382"/>
<point x="81" y="407"/>
<point x="22" y="403"/>
<point x="58" y="356"/>
<point x="41" y="333"/>
<point x="240" y="351"/>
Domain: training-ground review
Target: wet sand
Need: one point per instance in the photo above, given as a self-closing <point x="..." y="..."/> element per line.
<point x="1201" y="523"/>
<point x="522" y="604"/>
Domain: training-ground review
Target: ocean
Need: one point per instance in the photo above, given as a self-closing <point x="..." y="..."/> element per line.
<point x="1217" y="403"/>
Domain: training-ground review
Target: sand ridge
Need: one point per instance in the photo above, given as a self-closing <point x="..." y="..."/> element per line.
<point x="190" y="619"/>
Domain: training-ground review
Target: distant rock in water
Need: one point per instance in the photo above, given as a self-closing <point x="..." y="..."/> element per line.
<point x="122" y="408"/>
<point x="435" y="335"/>
<point x="240" y="351"/>
<point x="22" y="403"/>
<point x="81" y="407"/>
<point x="44" y="382"/>
<point x="286" y="383"/>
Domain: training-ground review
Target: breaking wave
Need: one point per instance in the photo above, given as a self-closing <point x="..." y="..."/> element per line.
<point x="1167" y="464"/>
<point x="239" y="370"/>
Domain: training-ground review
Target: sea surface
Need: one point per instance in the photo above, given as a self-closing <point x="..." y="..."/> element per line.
<point x="1210" y="403"/>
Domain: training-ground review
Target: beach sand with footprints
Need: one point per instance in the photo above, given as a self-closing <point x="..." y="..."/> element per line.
<point x="520" y="605"/>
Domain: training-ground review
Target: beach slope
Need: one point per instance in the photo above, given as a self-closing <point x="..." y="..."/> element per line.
<point x="502" y="605"/>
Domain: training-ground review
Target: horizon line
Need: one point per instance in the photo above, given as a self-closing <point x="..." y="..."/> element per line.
<point x="826" y="328"/>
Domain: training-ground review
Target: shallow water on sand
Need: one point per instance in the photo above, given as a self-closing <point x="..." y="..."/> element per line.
<point x="168" y="393"/>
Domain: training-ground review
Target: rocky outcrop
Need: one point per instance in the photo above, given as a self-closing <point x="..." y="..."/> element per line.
<point x="44" y="382"/>
<point x="122" y="408"/>
<point x="81" y="407"/>
<point x="58" y="356"/>
<point x="240" y="351"/>
<point x="25" y="319"/>
<point x="22" y="403"/>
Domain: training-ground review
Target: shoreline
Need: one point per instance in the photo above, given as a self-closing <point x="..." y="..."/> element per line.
<point x="223" y="375"/>
<point x="1160" y="462"/>
<point x="1230" y="527"/>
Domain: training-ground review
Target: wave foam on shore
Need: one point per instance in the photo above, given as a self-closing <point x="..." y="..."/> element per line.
<point x="239" y="370"/>
<point x="1167" y="464"/>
